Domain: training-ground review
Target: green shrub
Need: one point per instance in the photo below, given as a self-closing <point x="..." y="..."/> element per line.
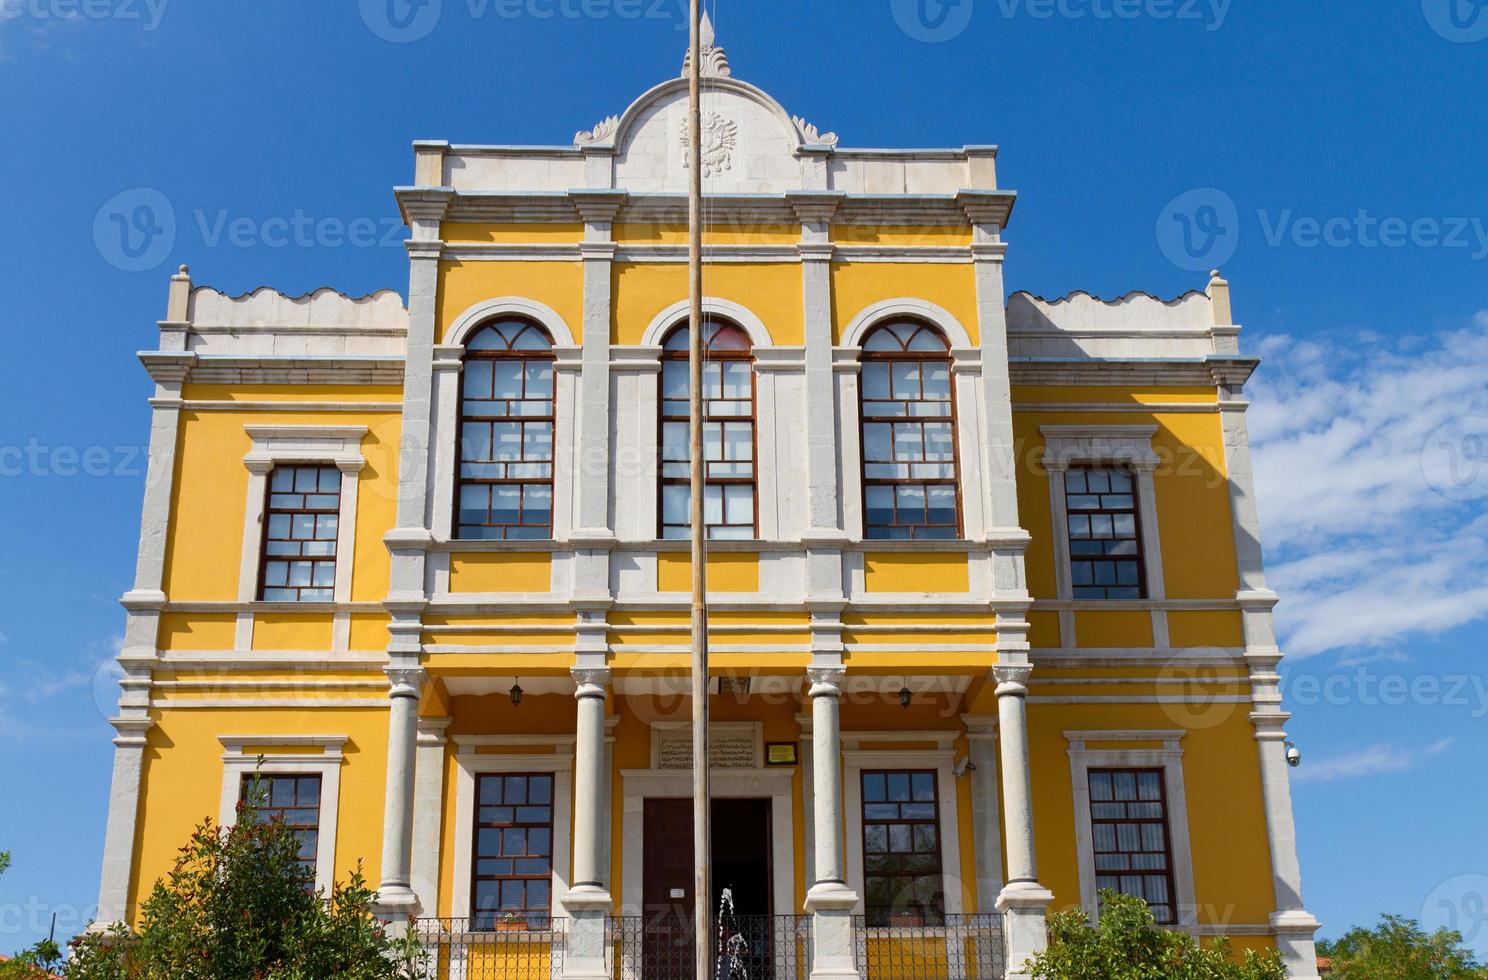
<point x="1128" y="945"/>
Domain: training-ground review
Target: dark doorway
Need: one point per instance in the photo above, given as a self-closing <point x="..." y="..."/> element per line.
<point x="741" y="862"/>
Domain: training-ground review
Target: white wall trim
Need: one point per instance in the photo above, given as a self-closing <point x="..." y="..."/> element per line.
<point x="943" y="761"/>
<point x="1168" y="758"/>
<point x="464" y="324"/>
<point x="469" y="764"/>
<point x="888" y="309"/>
<point x="639" y="785"/>
<point x="241" y="758"/>
<point x="663" y="322"/>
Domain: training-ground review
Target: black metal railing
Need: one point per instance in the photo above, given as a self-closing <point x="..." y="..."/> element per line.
<point x="962" y="947"/>
<point x="747" y="947"/>
<point x="459" y="949"/>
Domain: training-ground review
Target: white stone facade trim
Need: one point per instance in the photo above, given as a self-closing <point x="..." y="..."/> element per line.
<point x="240" y="758"/>
<point x="467" y="322"/>
<point x="942" y="761"/>
<point x="639" y="785"/>
<point x="469" y="763"/>
<point x="906" y="306"/>
<point x="663" y="322"/>
<point x="1169" y="758"/>
<point x="290" y="445"/>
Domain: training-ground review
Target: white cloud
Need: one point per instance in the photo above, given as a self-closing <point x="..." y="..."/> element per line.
<point x="1363" y="548"/>
<point x="1372" y="761"/>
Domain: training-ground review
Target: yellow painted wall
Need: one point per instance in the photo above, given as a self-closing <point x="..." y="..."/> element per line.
<point x="637" y="233"/>
<point x="856" y="286"/>
<point x="183" y="777"/>
<point x="197" y="631"/>
<point x="554" y="233"/>
<point x="559" y="285"/>
<point x="728" y="571"/>
<point x="910" y="235"/>
<point x="205" y="543"/>
<point x="907" y="571"/>
<point x="771" y="292"/>
<point x="501" y="571"/>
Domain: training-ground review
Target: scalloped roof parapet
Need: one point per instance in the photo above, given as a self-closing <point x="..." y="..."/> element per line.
<point x="322" y="309"/>
<point x="1138" y="311"/>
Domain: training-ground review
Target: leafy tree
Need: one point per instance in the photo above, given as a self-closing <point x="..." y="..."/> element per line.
<point x="36" y="962"/>
<point x="1399" y="949"/>
<point x="236" y="907"/>
<point x="1128" y="945"/>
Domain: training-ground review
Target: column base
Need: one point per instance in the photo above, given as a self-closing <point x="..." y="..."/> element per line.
<point x="833" y="939"/>
<point x="1294" y="940"/>
<point x="1025" y="929"/>
<point x="397" y="906"/>
<point x="588" y="908"/>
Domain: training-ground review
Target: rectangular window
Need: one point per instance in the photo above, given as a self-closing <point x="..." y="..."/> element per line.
<point x="909" y="451"/>
<point x="506" y="449"/>
<point x="901" y="849"/>
<point x="301" y="524"/>
<point x="295" y="800"/>
<point x="1105" y="541"/>
<point x="1129" y="825"/>
<point x="513" y="879"/>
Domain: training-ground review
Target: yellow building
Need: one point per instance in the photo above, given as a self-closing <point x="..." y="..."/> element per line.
<point x="989" y="624"/>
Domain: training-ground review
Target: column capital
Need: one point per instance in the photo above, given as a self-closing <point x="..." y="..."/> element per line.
<point x="593" y="682"/>
<point x="1012" y="679"/>
<point x="405" y="682"/>
<point x="826" y="682"/>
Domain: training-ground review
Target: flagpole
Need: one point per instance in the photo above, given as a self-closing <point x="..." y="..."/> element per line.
<point x="702" y="831"/>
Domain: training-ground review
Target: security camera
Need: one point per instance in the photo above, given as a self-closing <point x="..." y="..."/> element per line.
<point x="963" y="766"/>
<point x="1293" y="754"/>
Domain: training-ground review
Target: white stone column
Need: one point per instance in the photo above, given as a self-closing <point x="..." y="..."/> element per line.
<point x="169" y="368"/>
<point x="981" y="741"/>
<point x="588" y="901"/>
<point x="829" y="900"/>
<point x="1023" y="901"/>
<point x="808" y="799"/>
<point x="428" y="812"/>
<point x="396" y="901"/>
<point x="1295" y="927"/>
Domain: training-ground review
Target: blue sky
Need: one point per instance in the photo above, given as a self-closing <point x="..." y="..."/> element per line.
<point x="1329" y="154"/>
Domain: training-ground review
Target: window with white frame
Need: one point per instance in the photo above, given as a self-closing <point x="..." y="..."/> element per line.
<point x="299" y="523"/>
<point x="903" y="881"/>
<point x="1103" y="503"/>
<point x="1131" y="820"/>
<point x="299" y="781"/>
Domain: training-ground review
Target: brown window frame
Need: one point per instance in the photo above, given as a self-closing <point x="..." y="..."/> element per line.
<point x="914" y="531"/>
<point x="882" y="915"/>
<point x="266" y="559"/>
<point x="710" y="355"/>
<point x="540" y="532"/>
<point x="1134" y="511"/>
<point x="268" y="810"/>
<point x="532" y="918"/>
<point x="1166" y="913"/>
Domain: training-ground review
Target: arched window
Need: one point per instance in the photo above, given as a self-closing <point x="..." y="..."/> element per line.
<point x="505" y="483"/>
<point x="909" y="434"/>
<point x="728" y="435"/>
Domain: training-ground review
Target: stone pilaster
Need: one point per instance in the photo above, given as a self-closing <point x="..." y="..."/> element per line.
<point x="396" y="901"/>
